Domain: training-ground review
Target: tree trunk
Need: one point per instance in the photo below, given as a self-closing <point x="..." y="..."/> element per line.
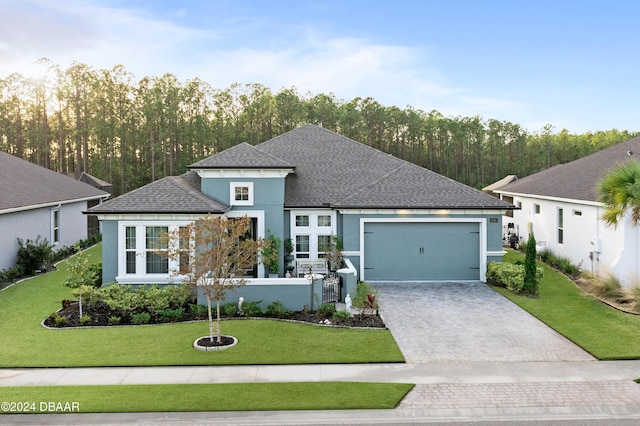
<point x="210" y="319"/>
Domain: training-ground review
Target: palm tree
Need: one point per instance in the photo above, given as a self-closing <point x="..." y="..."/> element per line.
<point x="620" y="191"/>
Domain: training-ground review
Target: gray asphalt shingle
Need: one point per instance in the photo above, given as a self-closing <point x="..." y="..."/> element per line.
<point x="330" y="170"/>
<point x="24" y="184"/>
<point x="576" y="180"/>
<point x="172" y="194"/>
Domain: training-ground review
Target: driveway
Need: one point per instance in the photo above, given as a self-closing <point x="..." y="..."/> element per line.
<point x="467" y="322"/>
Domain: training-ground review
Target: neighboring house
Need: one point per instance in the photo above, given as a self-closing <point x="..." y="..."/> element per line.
<point x="38" y="202"/>
<point x="397" y="221"/>
<point x="560" y="206"/>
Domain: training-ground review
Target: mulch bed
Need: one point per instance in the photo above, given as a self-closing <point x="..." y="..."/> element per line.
<point x="100" y="318"/>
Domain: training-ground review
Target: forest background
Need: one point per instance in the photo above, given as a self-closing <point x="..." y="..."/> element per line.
<point x="130" y="133"/>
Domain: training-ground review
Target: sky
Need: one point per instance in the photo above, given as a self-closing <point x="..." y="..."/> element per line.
<point x="571" y="64"/>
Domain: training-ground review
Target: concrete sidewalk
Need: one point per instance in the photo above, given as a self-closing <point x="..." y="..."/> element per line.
<point x="443" y="392"/>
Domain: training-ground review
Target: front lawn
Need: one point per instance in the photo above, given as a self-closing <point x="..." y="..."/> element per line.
<point x="25" y="343"/>
<point x="204" y="397"/>
<point x="599" y="329"/>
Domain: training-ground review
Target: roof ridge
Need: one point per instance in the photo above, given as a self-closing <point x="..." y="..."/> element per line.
<point x="373" y="182"/>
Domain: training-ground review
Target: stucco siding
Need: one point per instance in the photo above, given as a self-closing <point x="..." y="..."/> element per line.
<point x="586" y="240"/>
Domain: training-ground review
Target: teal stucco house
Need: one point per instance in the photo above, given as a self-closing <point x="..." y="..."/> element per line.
<point x="397" y="221"/>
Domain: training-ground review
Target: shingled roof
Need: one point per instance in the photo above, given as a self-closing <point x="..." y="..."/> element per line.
<point x="330" y="171"/>
<point x="333" y="170"/>
<point x="172" y="194"/>
<point x="242" y="156"/>
<point x="578" y="179"/>
<point x="25" y="185"/>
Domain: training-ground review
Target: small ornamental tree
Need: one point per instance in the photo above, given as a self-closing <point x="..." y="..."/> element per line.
<point x="80" y="274"/>
<point x="216" y="258"/>
<point x="530" y="279"/>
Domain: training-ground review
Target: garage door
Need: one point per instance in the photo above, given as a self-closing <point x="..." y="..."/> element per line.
<point x="431" y="251"/>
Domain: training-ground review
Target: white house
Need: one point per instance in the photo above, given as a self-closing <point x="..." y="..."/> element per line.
<point x="560" y="206"/>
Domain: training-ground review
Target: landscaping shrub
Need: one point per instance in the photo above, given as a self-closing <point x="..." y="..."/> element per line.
<point x="561" y="263"/>
<point x="34" y="254"/>
<point x="198" y="311"/>
<point x="509" y="275"/>
<point x="327" y="309"/>
<point x="277" y="310"/>
<point x="340" y="315"/>
<point x="228" y="309"/>
<point x="85" y="320"/>
<point x="11" y="274"/>
<point x="170" y="315"/>
<point x="141" y="318"/>
<point x="252" y="309"/>
<point x="114" y="320"/>
<point x="609" y="288"/>
<point x="60" y="320"/>
<point x="363" y="290"/>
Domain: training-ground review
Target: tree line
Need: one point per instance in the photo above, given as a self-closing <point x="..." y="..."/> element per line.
<point x="131" y="132"/>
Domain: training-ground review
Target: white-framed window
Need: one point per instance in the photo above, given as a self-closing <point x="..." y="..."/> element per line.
<point x="560" y="226"/>
<point x="324" y="220"/>
<point x="302" y="220"/>
<point x="536" y="208"/>
<point x="55" y="226"/>
<point x="241" y="193"/>
<point x="139" y="246"/>
<point x="302" y="246"/>
<point x="324" y="243"/>
<point x="155" y="240"/>
<point x="312" y="231"/>
<point x="130" y="249"/>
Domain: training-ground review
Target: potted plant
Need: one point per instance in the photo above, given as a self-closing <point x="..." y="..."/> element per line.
<point x="289" y="257"/>
<point x="270" y="255"/>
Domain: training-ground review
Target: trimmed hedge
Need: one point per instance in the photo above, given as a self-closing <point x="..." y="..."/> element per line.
<point x="509" y="275"/>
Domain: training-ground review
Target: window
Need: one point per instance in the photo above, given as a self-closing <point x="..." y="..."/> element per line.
<point x="536" y="208"/>
<point x="324" y="220"/>
<point x="302" y="246"/>
<point x="324" y="244"/>
<point x="577" y="212"/>
<point x="55" y="226"/>
<point x="156" y="264"/>
<point x="130" y="249"/>
<point x="241" y="193"/>
<point x="560" y="226"/>
<point x="311" y="230"/>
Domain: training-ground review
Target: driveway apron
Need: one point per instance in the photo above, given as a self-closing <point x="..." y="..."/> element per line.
<point x="467" y="322"/>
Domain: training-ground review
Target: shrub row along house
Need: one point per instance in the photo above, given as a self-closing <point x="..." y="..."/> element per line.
<point x="561" y="207"/>
<point x="395" y="220"/>
<point x="38" y="203"/>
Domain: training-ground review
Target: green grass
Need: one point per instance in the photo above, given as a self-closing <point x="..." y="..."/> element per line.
<point x="604" y="332"/>
<point x="25" y="343"/>
<point x="211" y="397"/>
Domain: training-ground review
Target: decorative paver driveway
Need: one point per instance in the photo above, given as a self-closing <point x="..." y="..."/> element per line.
<point x="467" y="322"/>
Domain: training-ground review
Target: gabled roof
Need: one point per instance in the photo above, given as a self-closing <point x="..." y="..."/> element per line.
<point x="172" y="194"/>
<point x="333" y="170"/>
<point x="578" y="179"/>
<point x="24" y="186"/>
<point x="242" y="156"/>
<point x="330" y="171"/>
